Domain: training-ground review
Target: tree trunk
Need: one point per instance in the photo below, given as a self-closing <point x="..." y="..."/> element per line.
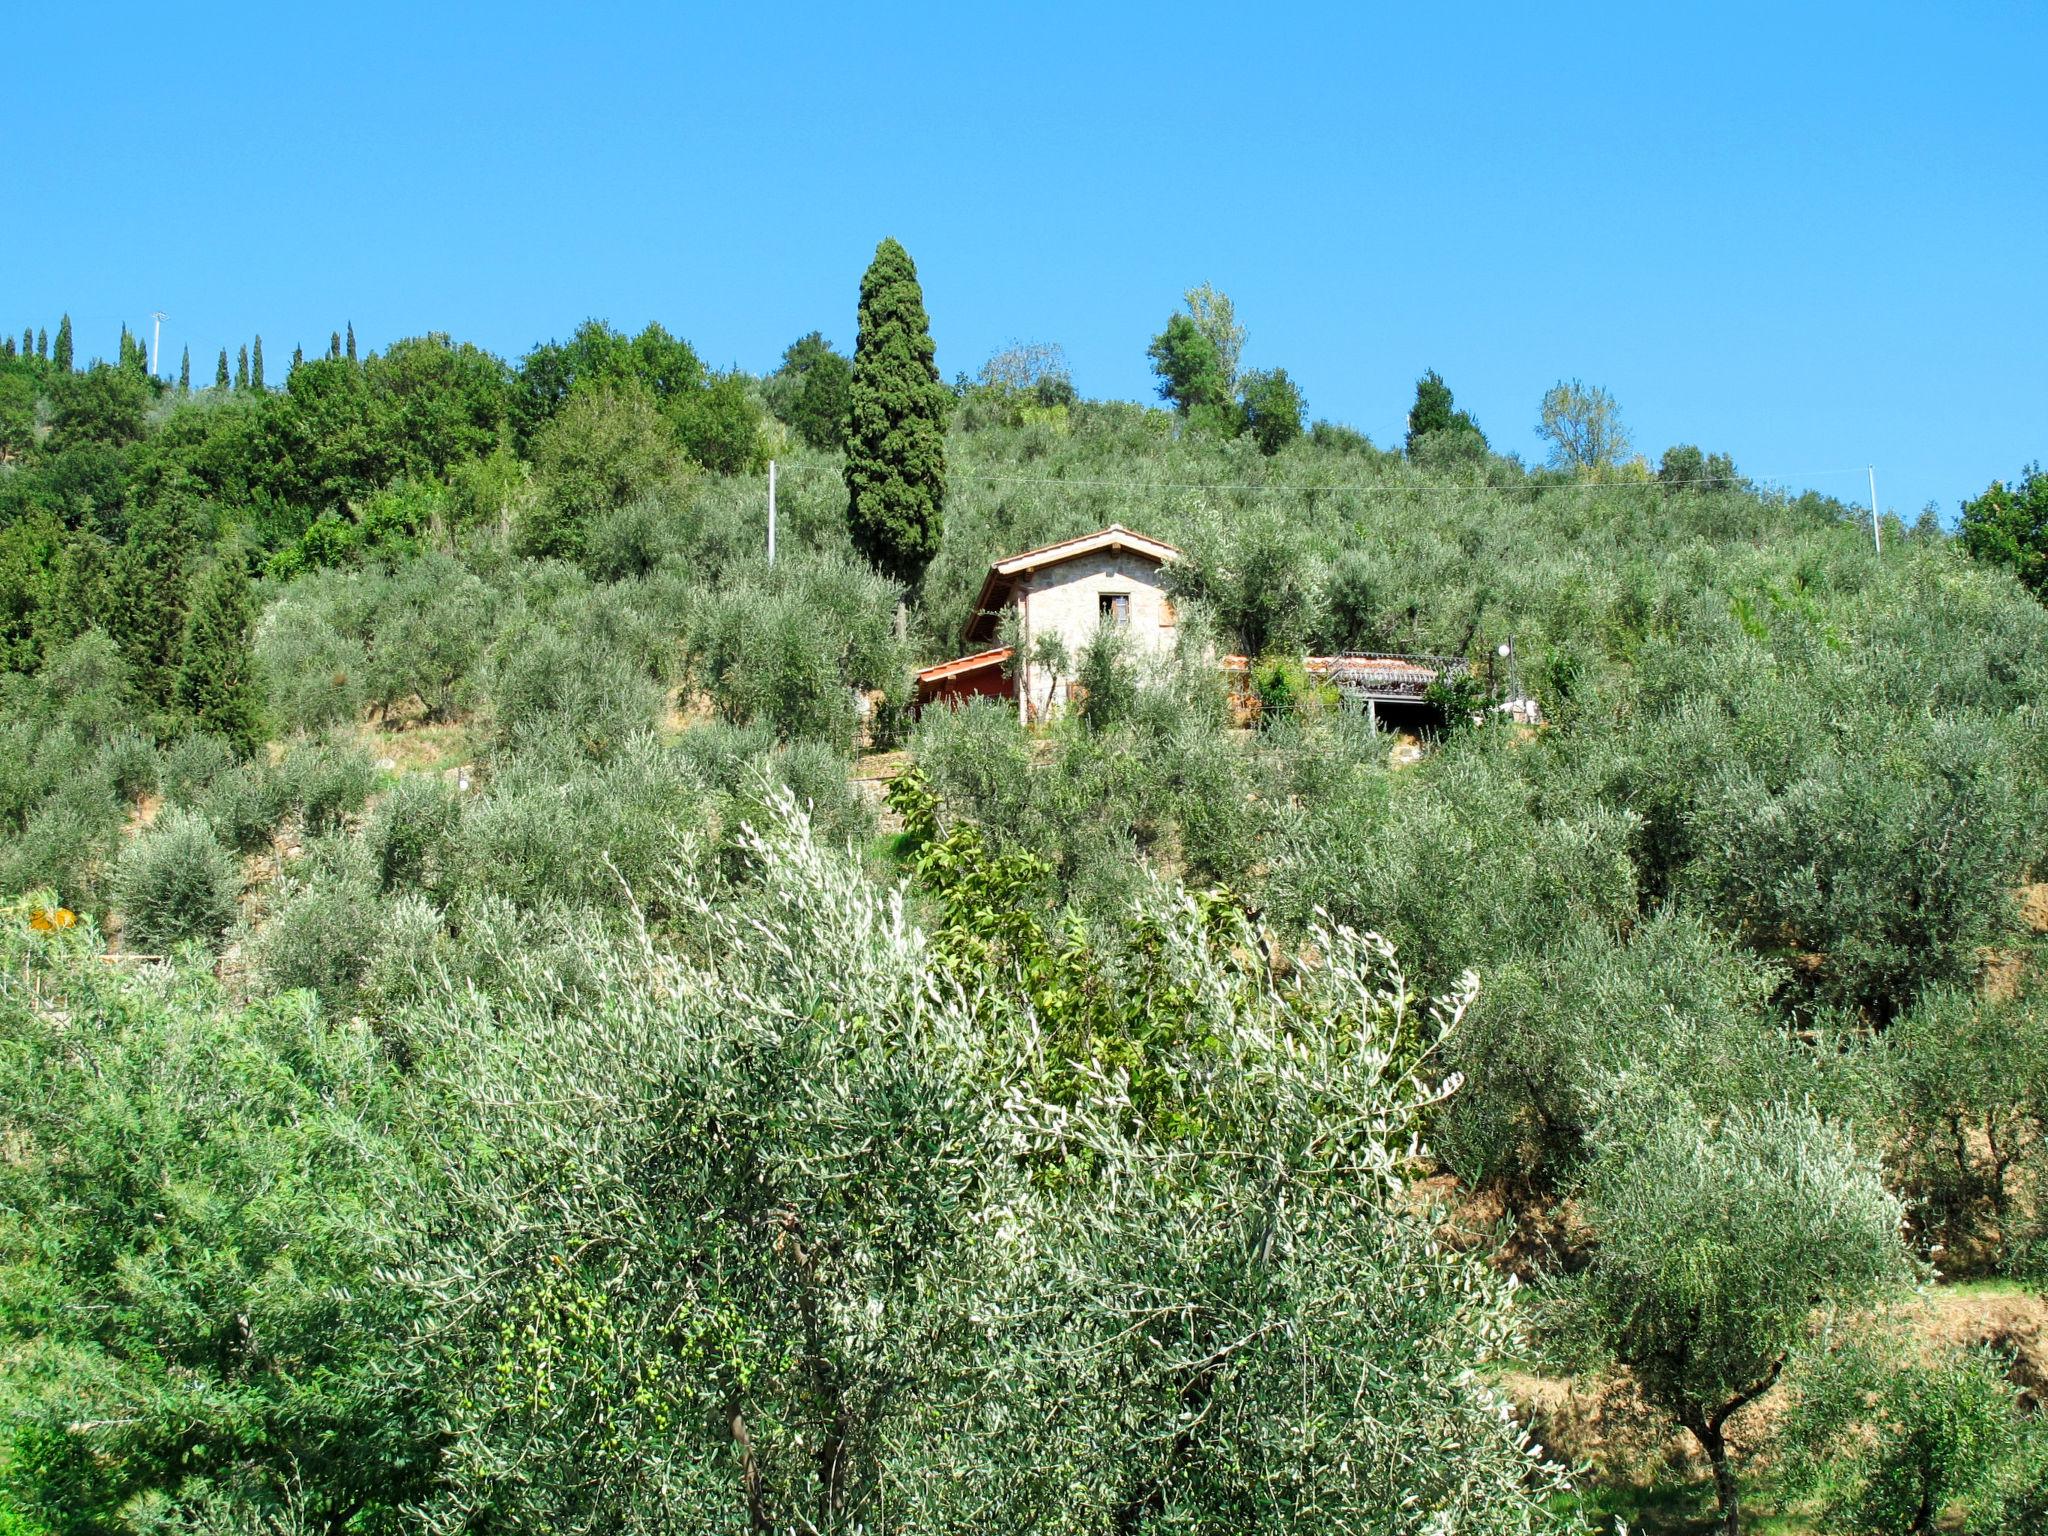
<point x="1716" y="1446"/>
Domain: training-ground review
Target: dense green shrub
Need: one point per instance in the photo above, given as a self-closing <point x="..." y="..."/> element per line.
<point x="327" y="782"/>
<point x="323" y="926"/>
<point x="1891" y="1441"/>
<point x="176" y="884"/>
<point x="411" y="835"/>
<point x="197" y="1336"/>
<point x="566" y="692"/>
<point x="792" y="646"/>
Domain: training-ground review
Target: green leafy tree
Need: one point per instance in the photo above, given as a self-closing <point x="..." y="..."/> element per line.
<point x="219" y="1351"/>
<point x="2008" y="526"/>
<point x="1273" y="408"/>
<point x="215" y="682"/>
<point x="604" y="450"/>
<point x="351" y="343"/>
<point x="1435" y="421"/>
<point x="220" y="371"/>
<point x="811" y="391"/>
<point x="1190" y="370"/>
<point x="334" y="344"/>
<point x="102" y="405"/>
<point x="719" y="426"/>
<point x="1582" y="424"/>
<point x="242" y="368"/>
<point x="61" y="354"/>
<point x="43" y="344"/>
<point x="1685" y="468"/>
<point x="1714" y="1241"/>
<point x="896" y="446"/>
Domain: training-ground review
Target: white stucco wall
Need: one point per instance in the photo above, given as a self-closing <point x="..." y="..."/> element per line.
<point x="1066" y="599"/>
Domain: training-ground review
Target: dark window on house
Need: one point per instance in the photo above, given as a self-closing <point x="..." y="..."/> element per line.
<point x="1116" y="607"/>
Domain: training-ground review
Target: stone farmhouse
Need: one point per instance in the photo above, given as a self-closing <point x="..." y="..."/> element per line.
<point x="1068" y="589"/>
<point x="1117" y="576"/>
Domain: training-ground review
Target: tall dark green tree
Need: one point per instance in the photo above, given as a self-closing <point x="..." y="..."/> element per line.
<point x="298" y="357"/>
<point x="61" y="355"/>
<point x="215" y="683"/>
<point x="220" y="370"/>
<point x="334" y="343"/>
<point x="1435" y="415"/>
<point x="256" y="364"/>
<point x="43" y="344"/>
<point x="896" y="440"/>
<point x="145" y="609"/>
<point x="242" y="367"/>
<point x="185" y="372"/>
<point x="351" y="341"/>
<point x="28" y="341"/>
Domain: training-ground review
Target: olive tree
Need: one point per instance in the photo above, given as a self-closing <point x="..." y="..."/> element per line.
<point x="1713" y="1245"/>
<point x="778" y="1235"/>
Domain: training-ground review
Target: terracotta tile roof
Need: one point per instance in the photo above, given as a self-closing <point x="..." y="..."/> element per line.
<point x="961" y="664"/>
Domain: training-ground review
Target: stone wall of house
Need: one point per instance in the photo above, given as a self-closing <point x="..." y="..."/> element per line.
<point x="1066" y="599"/>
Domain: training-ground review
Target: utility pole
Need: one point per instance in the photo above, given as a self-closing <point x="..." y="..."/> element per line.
<point x="771" y="511"/>
<point x="1876" y="540"/>
<point x="156" y="342"/>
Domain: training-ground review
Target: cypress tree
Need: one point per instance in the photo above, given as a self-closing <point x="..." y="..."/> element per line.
<point x="43" y="345"/>
<point x="61" y="355"/>
<point x="256" y="364"/>
<point x="351" y="341"/>
<point x="185" y="372"/>
<point x="7" y="347"/>
<point x="28" y="341"/>
<point x="145" y="610"/>
<point x="334" y="344"/>
<point x="242" y="367"/>
<point x="896" y="442"/>
<point x="220" y="372"/>
<point x="214" y="682"/>
<point x="298" y="357"/>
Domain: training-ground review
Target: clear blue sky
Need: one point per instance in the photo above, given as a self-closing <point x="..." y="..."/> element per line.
<point x="1812" y="236"/>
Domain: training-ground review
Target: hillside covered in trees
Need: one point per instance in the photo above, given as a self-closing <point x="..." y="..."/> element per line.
<point x="510" y="1023"/>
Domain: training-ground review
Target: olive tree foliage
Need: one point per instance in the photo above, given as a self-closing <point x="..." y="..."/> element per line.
<point x="1964" y="1107"/>
<point x="1582" y="424"/>
<point x="1714" y="1240"/>
<point x="176" y="884"/>
<point x="794" y="646"/>
<point x="784" y="1238"/>
<point x="1895" y="1438"/>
